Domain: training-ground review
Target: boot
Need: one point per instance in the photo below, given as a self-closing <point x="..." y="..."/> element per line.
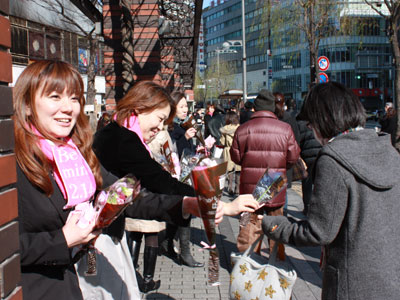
<point x="167" y="244"/>
<point x="150" y="259"/>
<point x="185" y="257"/>
<point x="134" y="248"/>
<point x="135" y="253"/>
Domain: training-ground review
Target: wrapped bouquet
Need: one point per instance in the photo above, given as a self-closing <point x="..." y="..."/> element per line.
<point x="208" y="181"/>
<point x="108" y="205"/>
<point x="169" y="160"/>
<point x="267" y="189"/>
<point x="188" y="162"/>
<point x="191" y="123"/>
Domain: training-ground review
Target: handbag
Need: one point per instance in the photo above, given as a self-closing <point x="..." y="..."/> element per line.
<point x="255" y="277"/>
<point x="299" y="170"/>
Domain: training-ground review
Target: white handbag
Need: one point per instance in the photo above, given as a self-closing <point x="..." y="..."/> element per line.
<point x="255" y="277"/>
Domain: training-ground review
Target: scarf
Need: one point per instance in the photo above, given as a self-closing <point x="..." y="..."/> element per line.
<point x="346" y="132"/>
<point x="132" y="124"/>
<point x="70" y="170"/>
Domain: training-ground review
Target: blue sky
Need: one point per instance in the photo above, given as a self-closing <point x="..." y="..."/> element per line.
<point x="206" y="3"/>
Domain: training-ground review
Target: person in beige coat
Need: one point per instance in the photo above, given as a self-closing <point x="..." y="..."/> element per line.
<point x="227" y="133"/>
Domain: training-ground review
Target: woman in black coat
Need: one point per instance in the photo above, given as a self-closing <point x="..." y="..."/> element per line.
<point x="183" y="138"/>
<point x="122" y="148"/>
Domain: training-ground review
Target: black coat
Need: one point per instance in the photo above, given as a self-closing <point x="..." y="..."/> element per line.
<point x="178" y="137"/>
<point x="207" y="119"/>
<point x="121" y="152"/>
<point x="309" y="146"/>
<point x="47" y="271"/>
<point x="389" y="125"/>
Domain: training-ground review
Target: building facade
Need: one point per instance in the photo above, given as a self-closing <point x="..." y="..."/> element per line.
<point x="360" y="59"/>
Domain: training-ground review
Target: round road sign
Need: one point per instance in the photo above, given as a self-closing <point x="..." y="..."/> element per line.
<point x="323" y="63"/>
<point x="323" y="77"/>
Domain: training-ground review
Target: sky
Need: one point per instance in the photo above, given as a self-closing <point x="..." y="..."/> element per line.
<point x="206" y="3"/>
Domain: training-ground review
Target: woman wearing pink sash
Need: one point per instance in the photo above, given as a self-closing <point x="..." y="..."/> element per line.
<point x="57" y="173"/>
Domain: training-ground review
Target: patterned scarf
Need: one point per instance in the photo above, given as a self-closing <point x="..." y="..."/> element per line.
<point x="346" y="132"/>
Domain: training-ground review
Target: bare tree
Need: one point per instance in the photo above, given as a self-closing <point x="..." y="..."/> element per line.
<point x="219" y="78"/>
<point x="67" y="15"/>
<point x="390" y="11"/>
<point x="292" y="23"/>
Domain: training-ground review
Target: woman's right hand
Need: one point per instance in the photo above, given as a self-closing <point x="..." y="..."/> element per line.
<point x="75" y="235"/>
<point x="191" y="132"/>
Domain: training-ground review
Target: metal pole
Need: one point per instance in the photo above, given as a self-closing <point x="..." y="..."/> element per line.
<point x="244" y="54"/>
<point x="218" y="79"/>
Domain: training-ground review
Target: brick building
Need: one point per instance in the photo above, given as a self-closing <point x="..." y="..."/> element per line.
<point x="9" y="257"/>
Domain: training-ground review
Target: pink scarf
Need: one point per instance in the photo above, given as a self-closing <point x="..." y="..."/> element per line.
<point x="132" y="124"/>
<point x="70" y="170"/>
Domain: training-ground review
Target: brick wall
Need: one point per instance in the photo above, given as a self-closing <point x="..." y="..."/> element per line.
<point x="150" y="62"/>
<point x="9" y="258"/>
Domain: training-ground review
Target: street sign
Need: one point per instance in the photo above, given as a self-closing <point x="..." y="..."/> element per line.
<point x="323" y="77"/>
<point x="323" y="63"/>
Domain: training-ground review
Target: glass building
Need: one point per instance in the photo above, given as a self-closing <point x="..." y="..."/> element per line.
<point x="360" y="57"/>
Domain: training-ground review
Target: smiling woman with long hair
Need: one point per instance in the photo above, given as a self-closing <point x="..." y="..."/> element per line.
<point x="122" y="148"/>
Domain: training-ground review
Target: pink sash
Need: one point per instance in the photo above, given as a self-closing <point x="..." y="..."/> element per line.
<point x="70" y="170"/>
<point x="132" y="124"/>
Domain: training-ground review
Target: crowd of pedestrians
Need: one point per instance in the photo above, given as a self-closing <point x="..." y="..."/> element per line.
<point x="350" y="194"/>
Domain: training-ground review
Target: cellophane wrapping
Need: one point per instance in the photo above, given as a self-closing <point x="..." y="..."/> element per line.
<point x="208" y="184"/>
<point x="270" y="185"/>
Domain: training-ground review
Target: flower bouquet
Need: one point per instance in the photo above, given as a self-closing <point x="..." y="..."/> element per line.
<point x="208" y="184"/>
<point x="108" y="205"/>
<point x="266" y="191"/>
<point x="169" y="160"/>
<point x="188" y="162"/>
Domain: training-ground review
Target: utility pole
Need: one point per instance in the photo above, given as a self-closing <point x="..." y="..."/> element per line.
<point x="244" y="53"/>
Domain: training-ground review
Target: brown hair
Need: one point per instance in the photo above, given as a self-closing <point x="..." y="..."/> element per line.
<point x="177" y="96"/>
<point x="391" y="112"/>
<point x="279" y="104"/>
<point x="208" y="107"/>
<point x="231" y="118"/>
<point x="144" y="96"/>
<point x="46" y="77"/>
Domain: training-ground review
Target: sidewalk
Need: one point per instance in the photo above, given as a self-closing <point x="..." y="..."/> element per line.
<point x="182" y="282"/>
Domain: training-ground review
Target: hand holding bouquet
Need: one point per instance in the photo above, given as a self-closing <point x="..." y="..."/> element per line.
<point x="208" y="185"/>
<point x="191" y="123"/>
<point x="108" y="205"/>
<point x="266" y="191"/>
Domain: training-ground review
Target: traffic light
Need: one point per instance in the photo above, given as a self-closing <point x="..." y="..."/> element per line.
<point x="358" y="76"/>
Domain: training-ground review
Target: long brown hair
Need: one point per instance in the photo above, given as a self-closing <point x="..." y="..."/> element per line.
<point x="144" y="96"/>
<point x="46" y="77"/>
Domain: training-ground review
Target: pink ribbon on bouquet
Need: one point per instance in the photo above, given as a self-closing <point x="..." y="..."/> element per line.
<point x="207" y="246"/>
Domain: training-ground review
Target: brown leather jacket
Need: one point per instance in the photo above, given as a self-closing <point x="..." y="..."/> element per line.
<point x="260" y="143"/>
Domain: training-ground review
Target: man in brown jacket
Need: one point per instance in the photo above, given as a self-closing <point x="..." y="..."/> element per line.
<point x="260" y="143"/>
